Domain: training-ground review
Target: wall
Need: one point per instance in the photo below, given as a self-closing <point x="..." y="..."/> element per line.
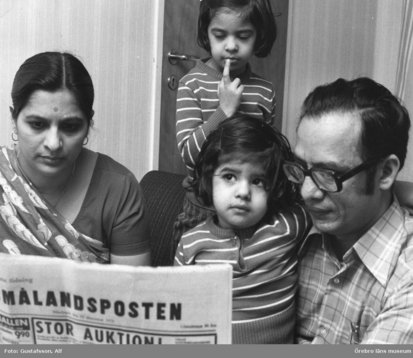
<point x="119" y="46"/>
<point x="328" y="39"/>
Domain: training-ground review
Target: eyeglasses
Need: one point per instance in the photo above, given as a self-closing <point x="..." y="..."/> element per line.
<point x="325" y="179"/>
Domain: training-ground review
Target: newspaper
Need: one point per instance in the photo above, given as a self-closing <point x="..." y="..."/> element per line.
<point x="57" y="301"/>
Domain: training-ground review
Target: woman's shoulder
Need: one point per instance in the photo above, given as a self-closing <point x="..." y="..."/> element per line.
<point x="108" y="165"/>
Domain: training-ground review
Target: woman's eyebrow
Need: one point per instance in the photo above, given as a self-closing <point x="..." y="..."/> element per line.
<point x="72" y="118"/>
<point x="36" y="116"/>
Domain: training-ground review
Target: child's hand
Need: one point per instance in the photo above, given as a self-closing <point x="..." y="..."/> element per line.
<point x="229" y="93"/>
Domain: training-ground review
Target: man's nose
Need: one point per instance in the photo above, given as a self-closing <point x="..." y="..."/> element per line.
<point x="309" y="190"/>
<point x="53" y="140"/>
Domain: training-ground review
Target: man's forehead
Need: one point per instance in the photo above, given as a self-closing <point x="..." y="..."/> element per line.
<point x="331" y="137"/>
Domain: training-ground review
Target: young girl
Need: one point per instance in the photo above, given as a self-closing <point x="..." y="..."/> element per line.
<point x="232" y="31"/>
<point x="255" y="228"/>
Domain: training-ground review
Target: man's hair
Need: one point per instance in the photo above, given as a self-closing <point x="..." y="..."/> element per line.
<point x="252" y="140"/>
<point x="385" y="121"/>
<point x="258" y="12"/>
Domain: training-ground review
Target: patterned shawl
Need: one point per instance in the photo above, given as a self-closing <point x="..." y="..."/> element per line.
<point x="30" y="226"/>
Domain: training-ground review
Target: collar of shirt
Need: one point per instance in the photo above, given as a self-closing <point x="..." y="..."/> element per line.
<point x="379" y="247"/>
<point x="222" y="233"/>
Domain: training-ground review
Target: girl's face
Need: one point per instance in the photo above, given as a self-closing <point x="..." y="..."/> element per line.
<point x="51" y="129"/>
<point x="239" y="194"/>
<point x="230" y="36"/>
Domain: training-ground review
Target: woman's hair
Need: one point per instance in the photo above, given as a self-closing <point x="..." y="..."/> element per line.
<point x="258" y="12"/>
<point x="252" y="140"/>
<point x="52" y="71"/>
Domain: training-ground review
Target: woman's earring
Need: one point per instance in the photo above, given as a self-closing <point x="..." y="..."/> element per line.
<point x="14" y="136"/>
<point x="86" y="141"/>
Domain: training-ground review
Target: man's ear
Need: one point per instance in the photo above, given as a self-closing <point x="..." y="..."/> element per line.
<point x="389" y="170"/>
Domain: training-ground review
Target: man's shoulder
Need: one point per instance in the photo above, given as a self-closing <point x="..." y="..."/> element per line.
<point x="402" y="275"/>
<point x="407" y="250"/>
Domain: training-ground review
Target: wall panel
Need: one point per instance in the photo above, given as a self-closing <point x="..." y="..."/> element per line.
<point x="118" y="41"/>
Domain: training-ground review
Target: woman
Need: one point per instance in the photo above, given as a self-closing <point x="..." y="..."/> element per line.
<point x="56" y="197"/>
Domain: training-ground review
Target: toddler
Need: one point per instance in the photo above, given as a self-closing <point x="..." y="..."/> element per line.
<point x="255" y="228"/>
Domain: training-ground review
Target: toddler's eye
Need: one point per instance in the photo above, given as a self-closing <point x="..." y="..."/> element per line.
<point x="259" y="182"/>
<point x="228" y="177"/>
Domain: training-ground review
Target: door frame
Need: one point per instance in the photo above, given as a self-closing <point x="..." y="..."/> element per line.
<point x="156" y="97"/>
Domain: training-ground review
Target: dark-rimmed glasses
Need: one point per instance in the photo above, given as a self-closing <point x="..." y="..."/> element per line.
<point x="325" y="179"/>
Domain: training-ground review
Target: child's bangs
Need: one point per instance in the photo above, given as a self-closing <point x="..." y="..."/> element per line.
<point x="265" y="157"/>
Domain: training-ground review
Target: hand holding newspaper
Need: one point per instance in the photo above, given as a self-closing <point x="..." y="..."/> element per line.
<point x="57" y="301"/>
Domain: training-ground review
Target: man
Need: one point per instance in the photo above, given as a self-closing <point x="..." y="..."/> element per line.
<point x="356" y="264"/>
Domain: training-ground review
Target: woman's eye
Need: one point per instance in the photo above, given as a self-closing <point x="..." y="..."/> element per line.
<point x="71" y="127"/>
<point x="37" y="125"/>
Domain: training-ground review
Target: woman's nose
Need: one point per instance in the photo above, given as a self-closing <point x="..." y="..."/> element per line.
<point x="53" y="140"/>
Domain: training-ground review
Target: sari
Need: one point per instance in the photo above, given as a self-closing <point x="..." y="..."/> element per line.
<point x="29" y="225"/>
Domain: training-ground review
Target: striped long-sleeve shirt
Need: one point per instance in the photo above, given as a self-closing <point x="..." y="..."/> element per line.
<point x="263" y="259"/>
<point x="198" y="112"/>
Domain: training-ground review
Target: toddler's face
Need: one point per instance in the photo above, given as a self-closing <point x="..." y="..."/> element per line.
<point x="230" y="36"/>
<point x="239" y="194"/>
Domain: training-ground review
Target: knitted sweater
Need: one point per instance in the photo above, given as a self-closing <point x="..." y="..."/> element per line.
<point x="198" y="112"/>
<point x="264" y="271"/>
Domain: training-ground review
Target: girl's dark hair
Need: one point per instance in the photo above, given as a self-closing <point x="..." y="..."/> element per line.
<point x="250" y="139"/>
<point x="258" y="12"/>
<point x="51" y="71"/>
